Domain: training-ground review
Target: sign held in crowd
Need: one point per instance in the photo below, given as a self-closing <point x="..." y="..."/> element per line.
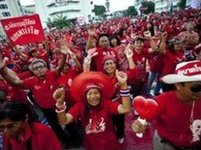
<point x="23" y="29"/>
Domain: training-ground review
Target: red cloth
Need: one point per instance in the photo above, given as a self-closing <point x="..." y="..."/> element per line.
<point x="43" y="89"/>
<point x="170" y="61"/>
<point x="140" y="68"/>
<point x="174" y="123"/>
<point x="156" y="62"/>
<point x="97" y="61"/>
<point x="41" y="136"/>
<point x="97" y="124"/>
<point x="66" y="80"/>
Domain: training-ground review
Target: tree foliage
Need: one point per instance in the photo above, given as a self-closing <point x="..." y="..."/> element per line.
<point x="149" y="7"/>
<point x="59" y="22"/>
<point x="99" y="10"/>
<point x="131" y="11"/>
<point x="107" y="4"/>
<point x="182" y="4"/>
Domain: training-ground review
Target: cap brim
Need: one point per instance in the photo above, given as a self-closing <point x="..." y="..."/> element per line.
<point x="174" y="78"/>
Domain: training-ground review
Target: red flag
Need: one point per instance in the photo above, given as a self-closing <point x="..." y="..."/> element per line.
<point x="24" y="29"/>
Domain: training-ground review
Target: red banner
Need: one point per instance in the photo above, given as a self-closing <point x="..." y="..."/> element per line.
<point x="24" y="29"/>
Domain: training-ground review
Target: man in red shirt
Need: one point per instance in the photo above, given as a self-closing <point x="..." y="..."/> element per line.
<point x="42" y="85"/>
<point x="179" y="111"/>
<point x="103" y="49"/>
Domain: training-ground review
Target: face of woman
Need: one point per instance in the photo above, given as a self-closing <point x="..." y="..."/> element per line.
<point x="11" y="128"/>
<point x="109" y="66"/>
<point x="138" y="44"/>
<point x="93" y="97"/>
<point x="114" y="41"/>
<point x="178" y="46"/>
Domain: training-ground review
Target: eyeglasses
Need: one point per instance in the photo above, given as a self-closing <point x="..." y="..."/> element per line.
<point x="196" y="89"/>
<point x="38" y="67"/>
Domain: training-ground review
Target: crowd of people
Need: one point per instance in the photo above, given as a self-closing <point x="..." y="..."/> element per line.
<point x="83" y="81"/>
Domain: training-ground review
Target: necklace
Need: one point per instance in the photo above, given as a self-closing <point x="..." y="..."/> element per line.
<point x="192" y="111"/>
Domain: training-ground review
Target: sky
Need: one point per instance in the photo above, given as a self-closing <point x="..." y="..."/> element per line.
<point x="114" y="4"/>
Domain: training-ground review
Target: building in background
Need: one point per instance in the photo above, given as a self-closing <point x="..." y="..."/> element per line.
<point x="80" y="10"/>
<point x="165" y="5"/>
<point x="8" y="8"/>
<point x="29" y="9"/>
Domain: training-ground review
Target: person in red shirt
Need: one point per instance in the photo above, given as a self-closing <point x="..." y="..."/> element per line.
<point x="42" y="85"/>
<point x="109" y="68"/>
<point x="173" y="53"/>
<point x="140" y="58"/>
<point x="103" y="48"/>
<point x="22" y="131"/>
<point x="93" y="91"/>
<point x="178" y="119"/>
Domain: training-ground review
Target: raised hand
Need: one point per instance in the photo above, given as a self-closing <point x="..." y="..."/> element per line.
<point x="121" y="77"/>
<point x="59" y="95"/>
<point x="3" y="63"/>
<point x="128" y="51"/>
<point x="63" y="47"/>
<point x="91" y="53"/>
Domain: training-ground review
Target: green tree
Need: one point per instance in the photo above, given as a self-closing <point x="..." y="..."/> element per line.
<point x="148" y="7"/>
<point x="182" y="4"/>
<point x="99" y="10"/>
<point x="131" y="11"/>
<point x="107" y="4"/>
<point x="58" y="21"/>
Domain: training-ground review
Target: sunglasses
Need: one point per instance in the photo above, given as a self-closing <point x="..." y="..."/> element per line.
<point x="196" y="89"/>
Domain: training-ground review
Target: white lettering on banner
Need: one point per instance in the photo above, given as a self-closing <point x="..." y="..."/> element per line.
<point x="24" y="31"/>
<point x="194" y="69"/>
<point x="25" y="22"/>
<point x="95" y="126"/>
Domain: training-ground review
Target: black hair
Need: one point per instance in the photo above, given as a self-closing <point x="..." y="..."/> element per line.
<point x="151" y="29"/>
<point x="17" y="111"/>
<point x="121" y="31"/>
<point x="171" y="44"/>
<point x="114" y="37"/>
<point x="100" y="36"/>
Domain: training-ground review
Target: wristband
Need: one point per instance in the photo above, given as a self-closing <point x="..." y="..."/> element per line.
<point x="124" y="92"/>
<point x="61" y="106"/>
<point x="60" y="110"/>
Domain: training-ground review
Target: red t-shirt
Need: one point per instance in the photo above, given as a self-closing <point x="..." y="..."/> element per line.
<point x="97" y="61"/>
<point x="66" y="80"/>
<point x="140" y="60"/>
<point x="97" y="124"/>
<point x="174" y="123"/>
<point x="40" y="138"/>
<point x="43" y="89"/>
<point x="156" y="62"/>
<point x="170" y="61"/>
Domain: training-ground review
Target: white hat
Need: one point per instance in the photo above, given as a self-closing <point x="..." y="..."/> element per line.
<point x="185" y="72"/>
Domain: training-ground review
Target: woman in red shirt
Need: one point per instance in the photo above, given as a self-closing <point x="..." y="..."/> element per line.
<point x="21" y="131"/>
<point x="93" y="90"/>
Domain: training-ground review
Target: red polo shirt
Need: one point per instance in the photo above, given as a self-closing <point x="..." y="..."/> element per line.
<point x="43" y="89"/>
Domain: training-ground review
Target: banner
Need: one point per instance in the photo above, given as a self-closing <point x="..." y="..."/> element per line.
<point x="24" y="29"/>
